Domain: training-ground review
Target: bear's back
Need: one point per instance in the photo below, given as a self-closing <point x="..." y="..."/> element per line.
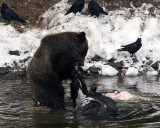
<point x="60" y="40"/>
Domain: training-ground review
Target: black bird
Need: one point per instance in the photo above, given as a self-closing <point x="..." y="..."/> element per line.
<point x="133" y="47"/>
<point x="8" y="14"/>
<point x="76" y="7"/>
<point x="95" y="9"/>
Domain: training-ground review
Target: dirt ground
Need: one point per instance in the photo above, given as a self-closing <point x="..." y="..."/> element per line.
<point x="30" y="10"/>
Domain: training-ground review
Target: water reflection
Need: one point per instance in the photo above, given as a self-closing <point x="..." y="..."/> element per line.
<point x="17" y="107"/>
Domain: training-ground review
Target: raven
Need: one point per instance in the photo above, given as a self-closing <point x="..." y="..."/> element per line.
<point x="95" y="9"/>
<point x="133" y="47"/>
<point x="76" y="7"/>
<point x="8" y="14"/>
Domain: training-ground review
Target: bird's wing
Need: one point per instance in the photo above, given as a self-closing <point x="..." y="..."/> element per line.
<point x="11" y="13"/>
<point x="98" y="7"/>
<point x="73" y="8"/>
<point x="134" y="45"/>
<point x="3" y="14"/>
<point x="129" y="45"/>
<point x="94" y="6"/>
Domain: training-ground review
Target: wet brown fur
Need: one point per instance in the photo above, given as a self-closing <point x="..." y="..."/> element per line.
<point x="45" y="81"/>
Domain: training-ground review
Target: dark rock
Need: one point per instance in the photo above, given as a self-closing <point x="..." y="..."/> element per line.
<point x="21" y="73"/>
<point x="147" y="58"/>
<point x="131" y="11"/>
<point x="142" y="66"/>
<point x="26" y="59"/>
<point x="26" y="52"/>
<point x="12" y="77"/>
<point x="112" y="60"/>
<point x="15" y="63"/>
<point x="135" y="60"/>
<point x="155" y="65"/>
<point x="16" y="53"/>
<point x="126" y="67"/>
<point x="20" y="61"/>
<point x="117" y="65"/>
<point x="152" y="10"/>
<point x="93" y="69"/>
<point x="4" y="70"/>
<point x="96" y="58"/>
<point x="9" y="67"/>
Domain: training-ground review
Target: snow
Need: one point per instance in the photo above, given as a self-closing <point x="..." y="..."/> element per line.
<point x="106" y="70"/>
<point x="132" y="72"/>
<point x="152" y="73"/>
<point x="105" y="35"/>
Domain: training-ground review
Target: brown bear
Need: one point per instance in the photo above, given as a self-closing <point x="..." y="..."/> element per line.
<point x="54" y="61"/>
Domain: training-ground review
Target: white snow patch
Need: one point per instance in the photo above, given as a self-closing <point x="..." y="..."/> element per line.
<point x="153" y="73"/>
<point x="108" y="70"/>
<point x="132" y="71"/>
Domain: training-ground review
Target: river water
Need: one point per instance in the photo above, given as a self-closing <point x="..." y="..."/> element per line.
<point x="17" y="108"/>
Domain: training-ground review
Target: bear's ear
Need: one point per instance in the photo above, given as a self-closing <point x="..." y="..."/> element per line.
<point x="82" y="37"/>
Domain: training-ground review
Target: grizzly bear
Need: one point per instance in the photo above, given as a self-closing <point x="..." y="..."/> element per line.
<point x="56" y="60"/>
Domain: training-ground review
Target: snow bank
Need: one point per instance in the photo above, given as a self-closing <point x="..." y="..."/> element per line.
<point x="105" y="35"/>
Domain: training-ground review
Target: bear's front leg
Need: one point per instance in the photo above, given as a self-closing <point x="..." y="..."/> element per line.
<point x="83" y="86"/>
<point x="74" y="87"/>
<point x="77" y="82"/>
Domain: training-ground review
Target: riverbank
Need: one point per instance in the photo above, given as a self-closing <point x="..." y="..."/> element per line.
<point x="105" y="35"/>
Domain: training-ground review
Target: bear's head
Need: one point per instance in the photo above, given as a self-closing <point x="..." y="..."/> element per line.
<point x="83" y="45"/>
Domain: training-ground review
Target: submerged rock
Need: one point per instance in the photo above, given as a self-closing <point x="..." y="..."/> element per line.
<point x="92" y="71"/>
<point x="12" y="73"/>
<point x="4" y="70"/>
